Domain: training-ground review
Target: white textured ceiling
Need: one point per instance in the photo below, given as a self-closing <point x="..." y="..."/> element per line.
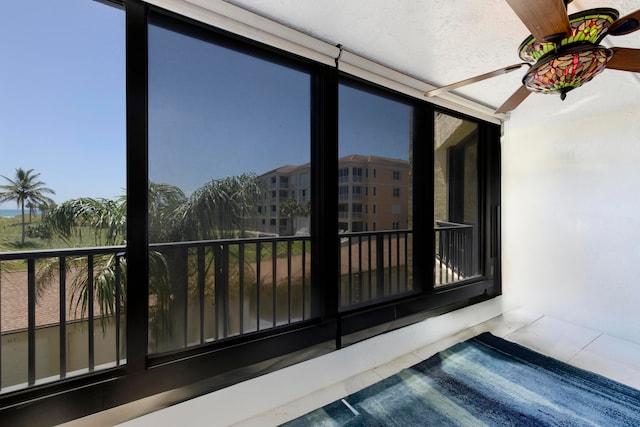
<point x="443" y="41"/>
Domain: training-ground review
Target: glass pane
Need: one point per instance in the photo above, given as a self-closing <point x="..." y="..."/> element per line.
<point x="455" y="199"/>
<point x="374" y="196"/>
<point x="62" y="173"/>
<point x="229" y="152"/>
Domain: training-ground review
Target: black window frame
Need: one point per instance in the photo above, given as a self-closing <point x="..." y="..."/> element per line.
<point x="144" y="375"/>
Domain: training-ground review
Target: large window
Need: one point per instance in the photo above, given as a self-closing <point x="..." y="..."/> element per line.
<point x="62" y="167"/>
<point x="375" y="134"/>
<point x="456" y="199"/>
<point x="220" y="120"/>
<point x="228" y="145"/>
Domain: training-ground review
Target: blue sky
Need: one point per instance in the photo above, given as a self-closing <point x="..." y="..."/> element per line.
<point x="62" y="108"/>
<point x="212" y="112"/>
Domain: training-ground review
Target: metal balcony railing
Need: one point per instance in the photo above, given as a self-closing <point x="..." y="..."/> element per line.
<point x="206" y="291"/>
<point x="454" y="253"/>
<point x="46" y="324"/>
<point x="226" y="288"/>
<point x="374" y="266"/>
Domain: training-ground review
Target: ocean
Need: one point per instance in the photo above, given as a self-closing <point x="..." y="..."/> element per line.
<point x="10" y="213"/>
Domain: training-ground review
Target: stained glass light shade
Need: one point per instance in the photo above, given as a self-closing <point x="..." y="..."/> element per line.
<point x="567" y="70"/>
<point x="560" y="66"/>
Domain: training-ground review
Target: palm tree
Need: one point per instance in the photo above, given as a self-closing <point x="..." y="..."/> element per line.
<point x="44" y="208"/>
<point x="292" y="209"/>
<point x="24" y="189"/>
<point x="31" y="206"/>
<point x="107" y="220"/>
<point x="216" y="210"/>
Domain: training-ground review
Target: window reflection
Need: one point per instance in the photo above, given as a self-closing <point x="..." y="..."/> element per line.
<point x="374" y="169"/>
<point x="455" y="199"/>
<point x="229" y="137"/>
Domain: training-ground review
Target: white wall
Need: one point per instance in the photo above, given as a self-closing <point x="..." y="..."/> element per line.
<point x="571" y="213"/>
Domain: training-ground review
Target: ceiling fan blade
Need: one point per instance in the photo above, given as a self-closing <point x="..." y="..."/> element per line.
<point x="545" y="19"/>
<point x="625" y="25"/>
<point x="514" y="100"/>
<point x="625" y="59"/>
<point x="475" y="79"/>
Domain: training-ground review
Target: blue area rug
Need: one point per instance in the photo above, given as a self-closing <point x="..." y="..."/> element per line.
<point x="485" y="381"/>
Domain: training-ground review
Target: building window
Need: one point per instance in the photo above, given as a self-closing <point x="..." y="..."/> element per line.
<point x="396" y="192"/>
<point x="357" y="174"/>
<point x="396" y="175"/>
<point x="396" y="209"/>
<point x="356" y="192"/>
<point x="374" y="173"/>
<point x="356" y="211"/>
<point x="374" y="190"/>
<point x="343" y="192"/>
<point x="396" y="225"/>
<point x="374" y="208"/>
<point x="343" y="175"/>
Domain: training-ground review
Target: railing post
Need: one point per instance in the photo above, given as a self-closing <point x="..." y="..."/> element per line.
<point x="90" y="309"/>
<point x="118" y="304"/>
<point x="31" y="316"/>
<point x="379" y="265"/>
<point x="288" y="281"/>
<point x="258" y="284"/>
<point x="274" y="290"/>
<point x="63" y="317"/>
<point x="241" y="285"/>
<point x="201" y="291"/>
<point x="225" y="289"/>
<point x="350" y="269"/>
<point x="358" y="296"/>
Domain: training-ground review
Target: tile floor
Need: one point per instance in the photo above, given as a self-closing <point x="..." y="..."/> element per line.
<point x="584" y="348"/>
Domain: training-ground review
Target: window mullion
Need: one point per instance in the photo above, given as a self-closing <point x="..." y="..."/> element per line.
<point x="137" y="188"/>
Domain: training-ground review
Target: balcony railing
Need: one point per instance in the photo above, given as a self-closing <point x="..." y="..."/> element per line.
<point x="454" y="253"/>
<point x="226" y="288"/>
<point x="214" y="290"/>
<point x="206" y="291"/>
<point x="375" y="266"/>
<point x="52" y="327"/>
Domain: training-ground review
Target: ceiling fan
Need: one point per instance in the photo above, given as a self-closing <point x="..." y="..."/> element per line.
<point x="563" y="52"/>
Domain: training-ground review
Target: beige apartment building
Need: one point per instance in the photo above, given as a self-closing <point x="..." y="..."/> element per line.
<point x="373" y="194"/>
